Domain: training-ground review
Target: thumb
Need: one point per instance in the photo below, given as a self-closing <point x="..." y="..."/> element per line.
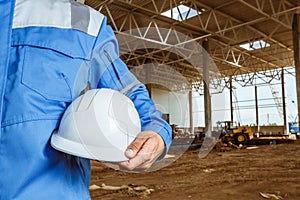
<point x="134" y="147"/>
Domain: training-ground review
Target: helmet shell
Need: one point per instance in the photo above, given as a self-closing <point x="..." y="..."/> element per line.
<point x="98" y="125"/>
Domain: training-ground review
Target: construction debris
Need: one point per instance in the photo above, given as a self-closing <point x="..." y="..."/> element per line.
<point x="253" y="147"/>
<point x="270" y="196"/>
<point x="169" y="156"/>
<point x="94" y="187"/>
<point x="208" y="170"/>
<point x="223" y="147"/>
<point x="132" y="190"/>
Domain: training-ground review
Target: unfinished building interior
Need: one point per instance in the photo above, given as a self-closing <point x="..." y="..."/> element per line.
<point x="205" y="46"/>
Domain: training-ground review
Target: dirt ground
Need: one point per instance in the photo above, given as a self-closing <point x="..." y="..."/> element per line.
<point x="263" y="172"/>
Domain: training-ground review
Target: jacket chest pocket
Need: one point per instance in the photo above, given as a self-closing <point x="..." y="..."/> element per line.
<point x="50" y="73"/>
<point x="53" y="63"/>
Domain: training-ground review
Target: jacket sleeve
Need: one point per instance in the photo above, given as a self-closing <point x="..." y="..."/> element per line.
<point x="112" y="72"/>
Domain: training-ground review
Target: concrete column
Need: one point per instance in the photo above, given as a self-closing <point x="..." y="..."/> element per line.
<point x="207" y="97"/>
<point x="283" y="102"/>
<point x="256" y="106"/>
<point x="191" y="111"/>
<point x="296" y="42"/>
<point x="231" y="98"/>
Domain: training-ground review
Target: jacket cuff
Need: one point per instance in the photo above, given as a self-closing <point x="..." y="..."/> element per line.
<point x="165" y="132"/>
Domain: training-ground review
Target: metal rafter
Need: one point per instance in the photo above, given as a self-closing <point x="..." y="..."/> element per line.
<point x="248" y="24"/>
<point x="225" y="31"/>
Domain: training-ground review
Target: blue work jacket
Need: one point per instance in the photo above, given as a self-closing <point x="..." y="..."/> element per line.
<point x="50" y="50"/>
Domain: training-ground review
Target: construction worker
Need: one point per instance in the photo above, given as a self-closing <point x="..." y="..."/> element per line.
<point x="50" y="51"/>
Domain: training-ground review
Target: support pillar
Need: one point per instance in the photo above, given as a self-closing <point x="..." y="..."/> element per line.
<point x="191" y="112"/>
<point x="207" y="97"/>
<point x="231" y="99"/>
<point x="296" y="41"/>
<point x="256" y="109"/>
<point x="283" y="102"/>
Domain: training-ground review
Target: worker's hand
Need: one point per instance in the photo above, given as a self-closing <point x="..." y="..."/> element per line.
<point x="143" y="151"/>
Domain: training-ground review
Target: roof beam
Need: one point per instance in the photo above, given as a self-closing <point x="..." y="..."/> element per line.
<point x="265" y="14"/>
<point x="248" y="24"/>
<point x="152" y="21"/>
<point x="154" y="15"/>
<point x="224" y="33"/>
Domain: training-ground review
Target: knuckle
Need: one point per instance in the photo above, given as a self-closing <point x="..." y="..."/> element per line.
<point x="134" y="146"/>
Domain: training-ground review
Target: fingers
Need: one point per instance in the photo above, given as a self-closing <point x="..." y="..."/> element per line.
<point x="145" y="157"/>
<point x="140" y="162"/>
<point x="144" y="161"/>
<point x="143" y="151"/>
<point x="135" y="146"/>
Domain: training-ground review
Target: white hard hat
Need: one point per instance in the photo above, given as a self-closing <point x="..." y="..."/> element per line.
<point x="99" y="125"/>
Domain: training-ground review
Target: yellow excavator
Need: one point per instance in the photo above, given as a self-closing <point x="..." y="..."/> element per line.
<point x="233" y="132"/>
